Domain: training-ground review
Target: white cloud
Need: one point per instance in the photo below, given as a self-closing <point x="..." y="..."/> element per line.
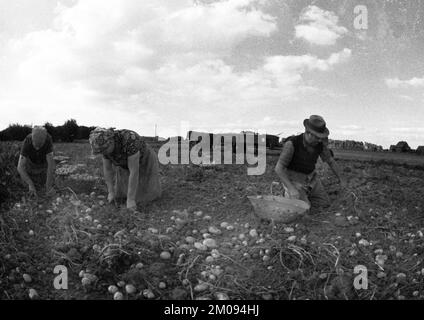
<point x="329" y="94"/>
<point x="217" y="26"/>
<point x="319" y="27"/>
<point x="292" y="64"/>
<point x="351" y="127"/>
<point x="396" y="83"/>
<point x="405" y="97"/>
<point x="135" y="63"/>
<point x="285" y="72"/>
<point x="127" y="54"/>
<point x="167" y="27"/>
<point x="409" y="129"/>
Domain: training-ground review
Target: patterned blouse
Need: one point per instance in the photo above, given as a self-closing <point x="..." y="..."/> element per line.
<point x="127" y="143"/>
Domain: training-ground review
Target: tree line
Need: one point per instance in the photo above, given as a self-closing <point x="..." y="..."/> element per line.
<point x="68" y="132"/>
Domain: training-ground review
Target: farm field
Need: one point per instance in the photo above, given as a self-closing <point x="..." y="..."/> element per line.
<point x="399" y="158"/>
<point x="202" y="239"/>
<point x="410" y="159"/>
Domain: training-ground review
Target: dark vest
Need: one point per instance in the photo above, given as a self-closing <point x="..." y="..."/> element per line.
<point x="303" y="161"/>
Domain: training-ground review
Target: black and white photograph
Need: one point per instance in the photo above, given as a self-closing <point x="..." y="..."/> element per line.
<point x="234" y="151"/>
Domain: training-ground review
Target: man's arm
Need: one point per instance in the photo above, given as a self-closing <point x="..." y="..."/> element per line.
<point x="281" y="169"/>
<point x="23" y="173"/>
<point x="51" y="167"/>
<point x="336" y="170"/>
<point x="328" y="156"/>
<point x="134" y="167"/>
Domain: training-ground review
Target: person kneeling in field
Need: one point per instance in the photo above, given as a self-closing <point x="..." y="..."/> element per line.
<point x="36" y="164"/>
<point x="134" y="163"/>
<point x="296" y="165"/>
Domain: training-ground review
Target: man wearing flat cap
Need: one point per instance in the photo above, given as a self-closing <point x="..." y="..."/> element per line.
<point x="296" y="165"/>
<point x="36" y="164"/>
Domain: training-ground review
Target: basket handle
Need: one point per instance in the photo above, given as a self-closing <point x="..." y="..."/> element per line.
<point x="275" y="183"/>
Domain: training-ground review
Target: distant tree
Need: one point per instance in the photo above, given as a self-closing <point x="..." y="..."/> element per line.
<point x="401" y="146"/>
<point x="15" y="132"/>
<point x="51" y="129"/>
<point x="84" y="132"/>
<point x="69" y="130"/>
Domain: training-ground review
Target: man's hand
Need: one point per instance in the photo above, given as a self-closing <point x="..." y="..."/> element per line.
<point x="293" y="193"/>
<point x="131" y="204"/>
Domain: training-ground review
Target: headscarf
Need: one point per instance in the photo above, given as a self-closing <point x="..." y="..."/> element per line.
<point x="100" y="139"/>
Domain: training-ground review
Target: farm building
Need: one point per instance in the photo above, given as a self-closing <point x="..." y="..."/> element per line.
<point x="150" y="139"/>
<point x="178" y="139"/>
<point x="220" y="139"/>
<point x="401" y="146"/>
<point x="349" y="145"/>
<point x="372" y="147"/>
<point x="346" y="144"/>
<point x="272" y="141"/>
<point x="199" y="135"/>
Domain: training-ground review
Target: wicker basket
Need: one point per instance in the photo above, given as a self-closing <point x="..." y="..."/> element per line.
<point x="277" y="208"/>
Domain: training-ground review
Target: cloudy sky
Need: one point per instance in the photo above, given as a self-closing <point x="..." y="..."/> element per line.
<point x="216" y="65"/>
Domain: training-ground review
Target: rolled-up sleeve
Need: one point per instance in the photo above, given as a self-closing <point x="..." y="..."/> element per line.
<point x="286" y="155"/>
